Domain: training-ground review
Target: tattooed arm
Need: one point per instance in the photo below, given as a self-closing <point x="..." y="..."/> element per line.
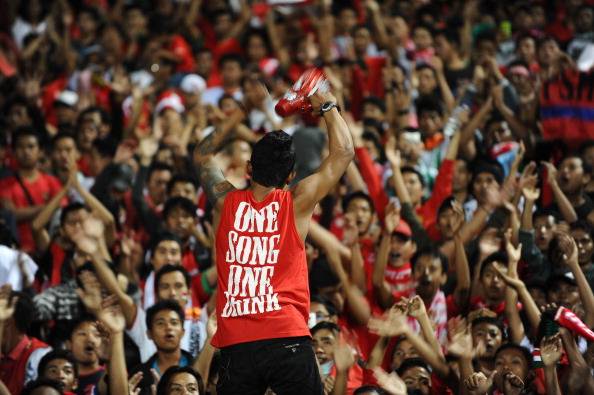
<point x="211" y="177"/>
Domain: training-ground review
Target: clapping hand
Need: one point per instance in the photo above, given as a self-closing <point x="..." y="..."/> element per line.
<point x="551" y="349"/>
<point x="391" y="382"/>
<point x="478" y="383"/>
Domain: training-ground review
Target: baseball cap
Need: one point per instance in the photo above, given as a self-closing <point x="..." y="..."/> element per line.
<point x="66" y="98"/>
<point x="403" y="229"/>
<point x="192" y="83"/>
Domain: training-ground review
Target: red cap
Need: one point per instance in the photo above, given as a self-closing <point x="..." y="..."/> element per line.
<point x="403" y="228"/>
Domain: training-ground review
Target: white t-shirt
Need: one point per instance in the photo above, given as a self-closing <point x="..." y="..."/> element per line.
<point x="11" y="262"/>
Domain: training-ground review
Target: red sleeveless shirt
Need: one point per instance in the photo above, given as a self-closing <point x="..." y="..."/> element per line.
<point x="263" y="289"/>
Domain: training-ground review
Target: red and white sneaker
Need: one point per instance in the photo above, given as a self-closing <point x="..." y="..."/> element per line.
<point x="296" y="99"/>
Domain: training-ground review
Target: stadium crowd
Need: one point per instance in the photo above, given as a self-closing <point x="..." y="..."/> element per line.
<point x="456" y="256"/>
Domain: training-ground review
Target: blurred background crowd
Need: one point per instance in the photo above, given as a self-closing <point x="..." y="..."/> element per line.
<point x="438" y="265"/>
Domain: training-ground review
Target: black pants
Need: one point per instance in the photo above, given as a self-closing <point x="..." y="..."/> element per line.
<point x="287" y="365"/>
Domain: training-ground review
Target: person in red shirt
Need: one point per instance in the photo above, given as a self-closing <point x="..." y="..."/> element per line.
<point x="29" y="189"/>
<point x="326" y="340"/>
<point x="263" y="294"/>
<point x="59" y="365"/>
<point x="19" y="351"/>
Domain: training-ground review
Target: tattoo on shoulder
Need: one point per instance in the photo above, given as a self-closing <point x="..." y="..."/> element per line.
<point x="214" y="183"/>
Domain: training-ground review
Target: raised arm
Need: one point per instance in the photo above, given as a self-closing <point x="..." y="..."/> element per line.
<point x="565" y="207"/>
<point x="341" y="151"/>
<point x="210" y="175"/>
<point x="40" y="234"/>
<point x="511" y="297"/>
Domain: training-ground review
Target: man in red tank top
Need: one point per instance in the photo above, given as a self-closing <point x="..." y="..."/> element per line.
<point x="263" y="292"/>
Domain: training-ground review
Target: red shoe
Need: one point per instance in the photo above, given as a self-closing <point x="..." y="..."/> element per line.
<point x="296" y="99"/>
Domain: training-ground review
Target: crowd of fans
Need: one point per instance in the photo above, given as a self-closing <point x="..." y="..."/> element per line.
<point x="437" y="266"/>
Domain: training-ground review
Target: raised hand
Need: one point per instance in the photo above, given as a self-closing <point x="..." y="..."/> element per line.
<point x="392" y="324"/>
<point x="416" y="307"/>
<point x="392" y="154"/>
<point x="90" y="293"/>
<point x="113" y="319"/>
<point x="392" y="217"/>
<point x="7" y="303"/>
<point x="531" y="193"/>
<point x="344" y="357"/>
<point x="528" y="178"/>
<point x="461" y="343"/>
<point x="551" y="172"/>
<point x="514" y="253"/>
<point x="551" y="349"/>
<point x="510" y="279"/>
<point x="133" y="382"/>
<point x="478" y="383"/>
<point x="392" y="383"/>
<point x="329" y="384"/>
<point x="350" y="234"/>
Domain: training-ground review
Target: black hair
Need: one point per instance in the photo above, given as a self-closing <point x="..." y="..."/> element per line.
<point x="410" y="169"/>
<point x="63" y="135"/>
<point x="25" y="131"/>
<point x="24" y="311"/>
<point x="427" y="103"/>
<point x="585" y="165"/>
<point x="375" y="140"/>
<point x="446" y="204"/>
<point x="525" y="352"/>
<point x="451" y="36"/>
<point x="498" y="256"/>
<point x="326" y="302"/>
<point x="545" y="39"/>
<point x="331" y="326"/>
<point x="185" y="178"/>
<point x="162" y="386"/>
<point x="106" y="147"/>
<point x="163" y="305"/>
<point x="486" y="35"/>
<point x="54" y="354"/>
<point x="179" y="202"/>
<point x="491" y="321"/>
<point x="321" y="275"/>
<point x="163" y="236"/>
<point x="375" y="101"/>
<point x="425" y="26"/>
<point x="357" y="195"/>
<point x="273" y="159"/>
<point x="74" y="324"/>
<point x="409" y="363"/>
<point x="523" y="36"/>
<point x="231" y="57"/>
<point x="158" y="166"/>
<point x="72" y="207"/>
<point x="582" y="224"/>
<point x="170" y="269"/>
<point x="104" y="115"/>
<point x="368" y="388"/>
<point x="24" y="6"/>
<point x="547" y="212"/>
<point x="485" y="165"/>
<point x="41" y="382"/>
<point x="422" y="66"/>
<point x="433" y="253"/>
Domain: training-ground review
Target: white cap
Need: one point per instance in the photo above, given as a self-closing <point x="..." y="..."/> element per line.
<point x="68" y="98"/>
<point x="170" y="100"/>
<point x="192" y="83"/>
